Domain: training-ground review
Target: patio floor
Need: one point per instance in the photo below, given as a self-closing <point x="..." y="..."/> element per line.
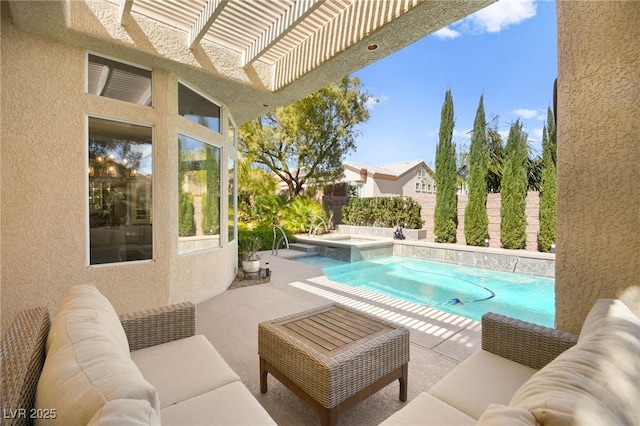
<point x="439" y="341"/>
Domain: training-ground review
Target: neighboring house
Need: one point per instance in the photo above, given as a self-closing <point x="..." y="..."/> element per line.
<point x="406" y="178"/>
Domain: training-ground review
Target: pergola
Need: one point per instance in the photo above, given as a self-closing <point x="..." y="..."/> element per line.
<point x="267" y="53"/>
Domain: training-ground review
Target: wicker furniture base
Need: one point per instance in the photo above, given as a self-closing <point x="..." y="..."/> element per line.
<point x="333" y="357"/>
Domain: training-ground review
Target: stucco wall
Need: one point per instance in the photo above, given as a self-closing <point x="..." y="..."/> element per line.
<point x="44" y="187"/>
<point x="598" y="227"/>
<point x="388" y="187"/>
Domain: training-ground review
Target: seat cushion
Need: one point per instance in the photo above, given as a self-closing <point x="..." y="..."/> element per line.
<point x="130" y="412"/>
<point x="480" y="380"/>
<point x="595" y="382"/>
<point x="427" y="409"/>
<point x="503" y="415"/>
<point x="87" y="362"/>
<point x="183" y="369"/>
<point x="231" y="404"/>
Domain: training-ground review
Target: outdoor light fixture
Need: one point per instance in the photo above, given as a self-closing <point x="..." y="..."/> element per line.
<point x="372" y="46"/>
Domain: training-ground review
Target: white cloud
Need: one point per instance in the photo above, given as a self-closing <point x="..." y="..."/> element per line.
<point x="526" y="113"/>
<point x="535" y="135"/>
<point x="446" y="33"/>
<point x="500" y="15"/>
<point x="372" y="101"/>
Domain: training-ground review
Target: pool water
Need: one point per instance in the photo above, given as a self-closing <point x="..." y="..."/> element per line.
<point x="457" y="289"/>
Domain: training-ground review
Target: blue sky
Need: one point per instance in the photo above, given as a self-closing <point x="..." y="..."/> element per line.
<point x="507" y="52"/>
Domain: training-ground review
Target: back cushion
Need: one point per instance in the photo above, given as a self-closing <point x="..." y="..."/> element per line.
<point x="85" y="300"/>
<point x="88" y="362"/>
<point x="595" y="382"/>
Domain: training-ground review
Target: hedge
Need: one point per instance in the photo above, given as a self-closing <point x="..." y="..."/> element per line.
<point x="386" y="212"/>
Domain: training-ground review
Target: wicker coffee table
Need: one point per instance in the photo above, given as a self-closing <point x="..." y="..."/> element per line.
<point x="333" y="357"/>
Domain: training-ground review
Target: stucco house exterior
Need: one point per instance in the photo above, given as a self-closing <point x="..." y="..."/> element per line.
<point x="108" y="104"/>
<point x="407" y="178"/>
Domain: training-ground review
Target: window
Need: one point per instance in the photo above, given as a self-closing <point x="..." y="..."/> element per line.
<point x="115" y="80"/>
<point x="232" y="207"/>
<point x="120" y="191"/>
<point x="421" y="181"/>
<point x="198" y="195"/>
<point x="198" y="109"/>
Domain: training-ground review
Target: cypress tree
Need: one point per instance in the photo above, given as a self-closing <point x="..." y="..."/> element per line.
<point x="513" y="222"/>
<point x="547" y="234"/>
<point x="446" y="212"/>
<point x="476" y="221"/>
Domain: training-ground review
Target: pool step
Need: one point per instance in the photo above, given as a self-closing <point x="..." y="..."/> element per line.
<point x="306" y="248"/>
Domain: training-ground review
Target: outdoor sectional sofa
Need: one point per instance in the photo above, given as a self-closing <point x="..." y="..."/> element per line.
<point x="524" y="374"/>
<point x="531" y="375"/>
<point x="89" y="366"/>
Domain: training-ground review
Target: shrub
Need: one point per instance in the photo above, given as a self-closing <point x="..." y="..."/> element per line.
<point x="301" y="213"/>
<point x="383" y="211"/>
<point x="265" y="234"/>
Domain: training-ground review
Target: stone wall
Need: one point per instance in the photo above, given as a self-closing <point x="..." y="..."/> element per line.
<point x="523" y="262"/>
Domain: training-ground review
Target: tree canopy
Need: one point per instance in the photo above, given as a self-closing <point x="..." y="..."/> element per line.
<point x="307" y="142"/>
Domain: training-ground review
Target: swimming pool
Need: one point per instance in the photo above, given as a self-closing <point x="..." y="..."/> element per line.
<point x="457" y="289"/>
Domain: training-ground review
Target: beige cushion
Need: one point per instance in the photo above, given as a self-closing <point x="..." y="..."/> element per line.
<point x="606" y="311"/>
<point x="130" y="412"/>
<point x="426" y="409"/>
<point x="86" y="300"/>
<point x="480" y="380"/>
<point x="183" y="368"/>
<point x="231" y="404"/>
<point x="502" y="415"/>
<point x="87" y="363"/>
<point x="595" y="382"/>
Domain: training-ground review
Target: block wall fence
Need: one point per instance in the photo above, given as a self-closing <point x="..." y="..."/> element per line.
<point x="428" y="205"/>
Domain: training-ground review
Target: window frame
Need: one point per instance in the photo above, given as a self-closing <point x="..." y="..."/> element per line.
<point x="89" y="53"/>
<point x="87" y="117"/>
<point x="200" y="93"/>
<point x="221" y="171"/>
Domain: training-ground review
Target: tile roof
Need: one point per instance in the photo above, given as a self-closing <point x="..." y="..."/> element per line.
<point x="392" y="169"/>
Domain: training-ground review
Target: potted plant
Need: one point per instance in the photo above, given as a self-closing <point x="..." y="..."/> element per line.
<point x="249" y="253"/>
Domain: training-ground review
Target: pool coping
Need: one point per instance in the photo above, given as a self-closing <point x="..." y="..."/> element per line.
<point x="497" y="259"/>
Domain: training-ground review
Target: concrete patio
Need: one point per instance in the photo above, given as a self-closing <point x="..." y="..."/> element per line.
<point x="439" y="341"/>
